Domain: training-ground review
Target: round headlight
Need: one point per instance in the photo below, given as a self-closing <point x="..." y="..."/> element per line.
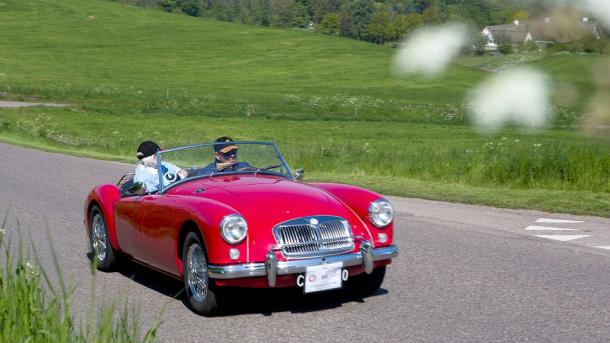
<point x="233" y="228"/>
<point x="381" y="213"/>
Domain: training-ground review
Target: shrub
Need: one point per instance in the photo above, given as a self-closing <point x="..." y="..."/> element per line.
<point x="505" y="46"/>
<point x="329" y="24"/>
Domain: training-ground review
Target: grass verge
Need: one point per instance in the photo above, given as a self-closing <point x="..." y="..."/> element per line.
<point x="32" y="309"/>
<point x="553" y="170"/>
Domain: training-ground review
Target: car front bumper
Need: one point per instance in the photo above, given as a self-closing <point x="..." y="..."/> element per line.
<point x="271" y="268"/>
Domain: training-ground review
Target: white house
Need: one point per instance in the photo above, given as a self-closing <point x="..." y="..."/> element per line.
<point x="542" y="32"/>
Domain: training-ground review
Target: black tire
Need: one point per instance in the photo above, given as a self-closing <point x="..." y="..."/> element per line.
<point x="201" y="295"/>
<point x="366" y="284"/>
<point x="104" y="255"/>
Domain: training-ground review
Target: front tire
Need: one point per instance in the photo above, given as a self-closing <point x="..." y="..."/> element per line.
<point x="366" y="284"/>
<point x="104" y="255"/>
<point x="200" y="292"/>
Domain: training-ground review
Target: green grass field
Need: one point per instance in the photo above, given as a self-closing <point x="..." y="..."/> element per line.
<point x="331" y="104"/>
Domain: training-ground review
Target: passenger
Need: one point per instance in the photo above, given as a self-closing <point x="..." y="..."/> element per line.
<point x="225" y="157"/>
<point x="146" y="170"/>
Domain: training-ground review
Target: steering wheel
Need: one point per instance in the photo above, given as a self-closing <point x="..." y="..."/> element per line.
<point x="223" y="168"/>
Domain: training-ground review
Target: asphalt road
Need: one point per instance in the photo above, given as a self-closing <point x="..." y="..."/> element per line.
<point x="465" y="273"/>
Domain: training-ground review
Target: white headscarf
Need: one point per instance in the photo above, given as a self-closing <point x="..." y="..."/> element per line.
<point x="149" y="162"/>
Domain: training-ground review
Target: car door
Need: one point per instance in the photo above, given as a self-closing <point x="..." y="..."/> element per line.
<point x="128" y="222"/>
<point x="158" y="236"/>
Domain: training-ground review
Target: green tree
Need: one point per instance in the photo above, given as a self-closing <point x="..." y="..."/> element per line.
<point x="282" y="12"/>
<point x="330" y="24"/>
<point x="459" y="13"/>
<point x="521" y="15"/>
<point x="361" y="13"/>
<point x="191" y="7"/>
<point x="505" y="46"/>
<point x="480" y="41"/>
<point x="529" y="46"/>
<point x="301" y="16"/>
<point x="346" y="28"/>
<point x="379" y="29"/>
<point x="402" y="25"/>
<point x="431" y="15"/>
<point x="265" y="10"/>
<point x="169" y="5"/>
<point x="320" y="8"/>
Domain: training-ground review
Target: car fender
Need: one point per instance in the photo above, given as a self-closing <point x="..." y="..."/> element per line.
<point x="207" y="215"/>
<point x="358" y="200"/>
<point x="105" y="196"/>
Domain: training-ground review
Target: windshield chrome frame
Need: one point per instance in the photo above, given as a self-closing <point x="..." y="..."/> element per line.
<point x="162" y="189"/>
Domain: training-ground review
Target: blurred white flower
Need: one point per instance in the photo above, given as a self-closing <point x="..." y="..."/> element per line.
<point x="429" y="51"/>
<point x="599" y="8"/>
<point x="519" y="96"/>
<point x="30" y="269"/>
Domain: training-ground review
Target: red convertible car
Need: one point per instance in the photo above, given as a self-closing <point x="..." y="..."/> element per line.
<point x="252" y="223"/>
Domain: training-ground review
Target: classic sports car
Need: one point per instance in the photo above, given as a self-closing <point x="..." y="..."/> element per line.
<point x="252" y="223"/>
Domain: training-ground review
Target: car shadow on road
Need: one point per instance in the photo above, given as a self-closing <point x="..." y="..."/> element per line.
<point x="270" y="301"/>
<point x="240" y="301"/>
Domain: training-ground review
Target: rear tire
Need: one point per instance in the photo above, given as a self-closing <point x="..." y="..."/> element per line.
<point x="201" y="294"/>
<point x="104" y="255"/>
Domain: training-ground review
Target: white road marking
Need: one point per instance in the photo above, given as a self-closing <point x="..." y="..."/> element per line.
<point x="546" y="228"/>
<point x="607" y="247"/>
<point x="551" y="220"/>
<point x="563" y="238"/>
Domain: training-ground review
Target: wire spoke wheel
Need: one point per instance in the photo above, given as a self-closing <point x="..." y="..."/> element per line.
<point x="100" y="237"/>
<point x="102" y="252"/>
<point x="201" y="292"/>
<point x="197" y="278"/>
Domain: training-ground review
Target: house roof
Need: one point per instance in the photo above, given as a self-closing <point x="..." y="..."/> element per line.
<point x="514" y="33"/>
<point x="544" y="30"/>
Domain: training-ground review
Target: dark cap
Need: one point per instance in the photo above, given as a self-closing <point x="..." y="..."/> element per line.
<point x="226" y="147"/>
<point x="146" y="149"/>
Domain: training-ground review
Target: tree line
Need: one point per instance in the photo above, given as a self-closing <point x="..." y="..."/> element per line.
<point x="369" y="20"/>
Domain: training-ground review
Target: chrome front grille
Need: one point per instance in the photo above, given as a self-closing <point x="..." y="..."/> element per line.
<point x="314" y="236"/>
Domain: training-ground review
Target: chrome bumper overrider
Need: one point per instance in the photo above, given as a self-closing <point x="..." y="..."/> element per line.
<point x="272" y="267"/>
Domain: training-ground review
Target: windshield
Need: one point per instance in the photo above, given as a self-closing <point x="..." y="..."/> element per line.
<point x="219" y="159"/>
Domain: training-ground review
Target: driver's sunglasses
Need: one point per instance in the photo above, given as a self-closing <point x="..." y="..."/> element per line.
<point x="232" y="153"/>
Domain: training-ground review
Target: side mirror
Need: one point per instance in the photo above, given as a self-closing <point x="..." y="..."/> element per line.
<point x="138" y="188"/>
<point x="299" y="174"/>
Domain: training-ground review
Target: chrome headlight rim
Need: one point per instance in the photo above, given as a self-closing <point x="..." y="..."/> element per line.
<point x="228" y="223"/>
<point x="374" y="214"/>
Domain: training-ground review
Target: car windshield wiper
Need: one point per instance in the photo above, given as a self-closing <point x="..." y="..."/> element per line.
<point x="249" y="168"/>
<point x="220" y="170"/>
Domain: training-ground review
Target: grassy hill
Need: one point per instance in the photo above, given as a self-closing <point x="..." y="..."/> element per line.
<point x="330" y="103"/>
<point x="149" y="60"/>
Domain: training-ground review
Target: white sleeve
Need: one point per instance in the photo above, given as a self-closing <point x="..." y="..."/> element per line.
<point x="171" y="167"/>
<point x="149" y="180"/>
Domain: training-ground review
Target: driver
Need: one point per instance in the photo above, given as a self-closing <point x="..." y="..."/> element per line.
<point x="225" y="157"/>
<point x="147" y="172"/>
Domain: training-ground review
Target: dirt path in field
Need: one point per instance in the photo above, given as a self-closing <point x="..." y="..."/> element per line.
<point x="16" y="104"/>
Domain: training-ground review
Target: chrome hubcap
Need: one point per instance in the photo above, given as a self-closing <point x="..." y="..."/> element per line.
<point x="99" y="237"/>
<point x="197" y="276"/>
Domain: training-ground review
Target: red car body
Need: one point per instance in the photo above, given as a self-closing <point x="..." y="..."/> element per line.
<point x="151" y="229"/>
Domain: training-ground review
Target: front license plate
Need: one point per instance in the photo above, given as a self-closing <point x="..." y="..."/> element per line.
<point x="323" y="277"/>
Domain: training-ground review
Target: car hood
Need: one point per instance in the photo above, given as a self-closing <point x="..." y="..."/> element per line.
<point x="269" y="197"/>
<point x="265" y="201"/>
